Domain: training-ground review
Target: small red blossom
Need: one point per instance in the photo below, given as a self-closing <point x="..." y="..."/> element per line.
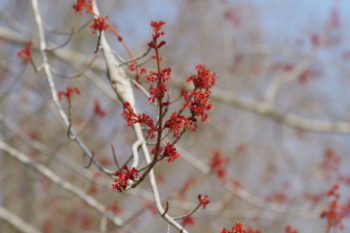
<point x="199" y="104"/>
<point x="115" y="208"/>
<point x="277" y="197"/>
<point x="289" y="229"/>
<point x="129" y="115"/>
<point x="123" y="176"/>
<point x="81" y="5"/>
<point x="334" y="191"/>
<point x="68" y="93"/>
<point x="93" y="190"/>
<point x="170" y="152"/>
<point x="331" y="161"/>
<point x="26" y="54"/>
<point x="282" y="66"/>
<point x="203" y="199"/>
<point x="132" y="118"/>
<point x="86" y="221"/>
<point x="198" y="100"/>
<point x="204" y="79"/>
<point x="157" y="92"/>
<point x="238" y="228"/>
<point x="188" y="221"/>
<point x="218" y="164"/>
<point x="157" y="25"/>
<point x="307" y="75"/>
<point x="336" y="212"/>
<point x="98" y="109"/>
<point x="157" y="32"/>
<point x="179" y="123"/>
<point x="99" y="24"/>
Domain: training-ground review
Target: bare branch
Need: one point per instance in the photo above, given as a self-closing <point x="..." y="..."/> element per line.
<point x="48" y="73"/>
<point x="16" y="222"/>
<point x="60" y="182"/>
<point x="226" y="97"/>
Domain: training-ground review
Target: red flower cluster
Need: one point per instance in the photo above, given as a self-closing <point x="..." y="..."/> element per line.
<point x="98" y="110"/>
<point x="132" y="118"/>
<point x="198" y="100"/>
<point x="170" y="152"/>
<point x="157" y="92"/>
<point x="157" y="79"/>
<point x="68" y="93"/>
<point x="179" y="123"/>
<point x="157" y="32"/>
<point x="80" y="5"/>
<point x="26" y="53"/>
<point x="99" y="24"/>
<point x="238" y="228"/>
<point x="336" y="212"/>
<point x="203" y="199"/>
<point x="218" y="164"/>
<point x="204" y="80"/>
<point x="121" y="183"/>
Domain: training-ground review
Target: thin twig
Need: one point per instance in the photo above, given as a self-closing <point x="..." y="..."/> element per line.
<point x="115" y="158"/>
<point x="137" y="58"/>
<point x="189" y="213"/>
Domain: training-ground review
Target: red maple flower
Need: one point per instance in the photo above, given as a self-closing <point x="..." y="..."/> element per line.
<point x="81" y="5"/>
<point x="204" y="79"/>
<point x="157" y="25"/>
<point x="289" y="229"/>
<point x="123" y="176"/>
<point x="277" y="197"/>
<point x="157" y="32"/>
<point x="198" y="100"/>
<point x="68" y="93"/>
<point x="178" y="123"/>
<point x="129" y="115"/>
<point x="26" y="53"/>
<point x="203" y="199"/>
<point x="132" y="118"/>
<point x="98" y="110"/>
<point x="336" y="212"/>
<point x="157" y="92"/>
<point x="188" y="221"/>
<point x="199" y="104"/>
<point x="99" y="24"/>
<point x="170" y="152"/>
<point x="218" y="164"/>
<point x="115" y="208"/>
<point x="238" y="228"/>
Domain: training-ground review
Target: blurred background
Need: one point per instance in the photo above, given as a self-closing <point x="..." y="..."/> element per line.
<point x="280" y="122"/>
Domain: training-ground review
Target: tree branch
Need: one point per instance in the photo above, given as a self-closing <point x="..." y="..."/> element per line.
<point x="60" y="182"/>
<point x="16" y="222"/>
